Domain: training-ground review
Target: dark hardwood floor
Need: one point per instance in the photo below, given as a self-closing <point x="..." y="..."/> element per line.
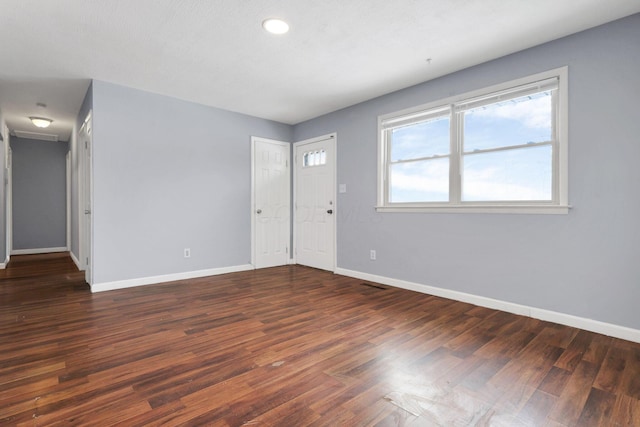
<point x="292" y="346"/>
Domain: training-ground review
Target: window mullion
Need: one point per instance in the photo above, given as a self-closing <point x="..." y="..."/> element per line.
<point x="419" y="159"/>
<point x="507" y="148"/>
<point x="455" y="175"/>
<point x="555" y="164"/>
<point x="387" y="166"/>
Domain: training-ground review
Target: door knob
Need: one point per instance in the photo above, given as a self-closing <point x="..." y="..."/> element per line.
<point x="259" y="211"/>
<point x="330" y="211"/>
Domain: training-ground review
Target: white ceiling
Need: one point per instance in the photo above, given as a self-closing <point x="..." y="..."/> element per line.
<point x="215" y="52"/>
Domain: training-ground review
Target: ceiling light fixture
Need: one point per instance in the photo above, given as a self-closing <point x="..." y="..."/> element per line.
<point x="40" y="122"/>
<point x="275" y="26"/>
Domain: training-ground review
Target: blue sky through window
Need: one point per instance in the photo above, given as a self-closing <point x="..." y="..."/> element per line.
<point x="423" y="139"/>
<point x="513" y="122"/>
<point x="508" y="174"/>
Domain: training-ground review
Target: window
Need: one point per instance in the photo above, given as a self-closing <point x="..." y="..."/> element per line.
<point x="501" y="149"/>
<point x="314" y="158"/>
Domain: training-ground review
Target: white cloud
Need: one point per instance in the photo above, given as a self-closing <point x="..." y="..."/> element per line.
<point x="534" y="113"/>
<point x="438" y="184"/>
<point x="482" y="185"/>
<point x="487" y="191"/>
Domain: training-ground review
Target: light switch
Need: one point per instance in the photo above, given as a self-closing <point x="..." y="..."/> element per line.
<point x="342" y="188"/>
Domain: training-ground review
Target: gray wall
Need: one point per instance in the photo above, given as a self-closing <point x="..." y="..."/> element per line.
<point x="39" y="194"/>
<point x="584" y="263"/>
<point x="169" y="175"/>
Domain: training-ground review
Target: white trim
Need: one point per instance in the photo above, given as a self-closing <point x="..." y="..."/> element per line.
<point x="8" y="198"/>
<point x="6" y="182"/>
<point x="333" y="135"/>
<point x="75" y="260"/>
<point x="562" y="133"/>
<point x="596" y="326"/>
<point x="38" y="251"/>
<point x="496" y="209"/>
<point x="68" y="197"/>
<point x="153" y="280"/>
<point x="296" y="145"/>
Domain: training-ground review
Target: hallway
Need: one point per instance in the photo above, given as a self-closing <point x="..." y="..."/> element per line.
<point x="22" y="281"/>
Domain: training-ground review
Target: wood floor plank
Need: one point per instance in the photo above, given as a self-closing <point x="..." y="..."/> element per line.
<point x="626" y="411"/>
<point x="575" y="351"/>
<point x="508" y="344"/>
<point x="536" y="409"/>
<point x="597" y="409"/>
<point x="631" y="376"/>
<point x="480" y="375"/>
<point x="555" y="381"/>
<point x="572" y="401"/>
<point x="611" y="371"/>
<point x="292" y="346"/>
<point x="597" y="349"/>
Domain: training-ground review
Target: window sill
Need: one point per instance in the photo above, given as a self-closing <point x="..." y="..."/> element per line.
<point x="484" y="209"/>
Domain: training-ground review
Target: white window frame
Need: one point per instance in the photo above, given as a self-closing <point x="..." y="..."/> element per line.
<point x="559" y="203"/>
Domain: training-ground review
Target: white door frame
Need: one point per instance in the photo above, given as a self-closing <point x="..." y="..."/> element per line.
<point x="255" y="139"/>
<point x="85" y="199"/>
<point x="68" y="222"/>
<point x="296" y="146"/>
<point x="8" y="196"/>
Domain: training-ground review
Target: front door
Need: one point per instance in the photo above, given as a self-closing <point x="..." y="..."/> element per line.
<point x="271" y="202"/>
<point x="315" y="202"/>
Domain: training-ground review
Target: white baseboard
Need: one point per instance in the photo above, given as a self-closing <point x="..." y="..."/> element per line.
<point x="609" y="329"/>
<point x="75" y="260"/>
<point x="152" y="280"/>
<point x="38" y="251"/>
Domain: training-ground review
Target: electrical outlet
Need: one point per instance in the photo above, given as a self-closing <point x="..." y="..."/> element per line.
<point x="372" y="255"/>
<point x="187" y="253"/>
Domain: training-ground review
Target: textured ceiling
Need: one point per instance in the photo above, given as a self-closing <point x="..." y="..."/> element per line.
<point x="338" y="52"/>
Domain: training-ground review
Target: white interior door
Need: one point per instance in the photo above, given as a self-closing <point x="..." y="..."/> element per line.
<point x="68" y="191"/>
<point x="84" y="140"/>
<point x="271" y="202"/>
<point x="315" y="202"/>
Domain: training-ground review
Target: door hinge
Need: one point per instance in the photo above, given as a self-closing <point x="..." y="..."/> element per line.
<point x="286" y="250"/>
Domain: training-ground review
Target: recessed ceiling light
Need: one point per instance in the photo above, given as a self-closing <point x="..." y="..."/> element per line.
<point x="275" y="26"/>
<point x="41" y="122"/>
